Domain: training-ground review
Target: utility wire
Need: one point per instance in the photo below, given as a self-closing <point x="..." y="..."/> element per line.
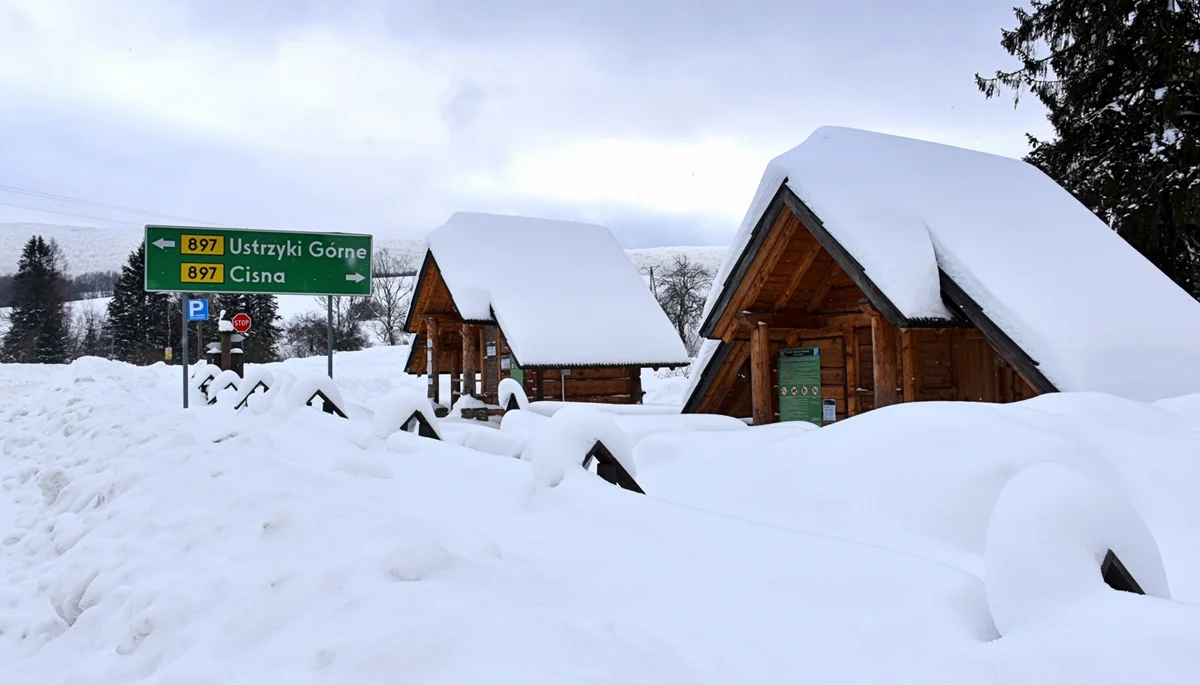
<point x="81" y="216"/>
<point x="100" y="205"/>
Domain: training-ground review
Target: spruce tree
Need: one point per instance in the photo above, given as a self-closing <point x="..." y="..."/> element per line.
<point x="37" y="331"/>
<point x="261" y="343"/>
<point x="139" y="322"/>
<point x="1121" y="82"/>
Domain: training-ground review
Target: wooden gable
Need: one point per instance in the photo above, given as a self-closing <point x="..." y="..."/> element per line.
<point x="792" y="290"/>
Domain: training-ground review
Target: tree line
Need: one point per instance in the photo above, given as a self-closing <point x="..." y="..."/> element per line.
<point x="90" y="285"/>
<point x="45" y="326"/>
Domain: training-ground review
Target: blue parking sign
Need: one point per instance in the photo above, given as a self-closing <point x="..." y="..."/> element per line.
<point x="197" y="310"/>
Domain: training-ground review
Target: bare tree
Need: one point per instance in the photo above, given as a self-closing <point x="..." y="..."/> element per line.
<point x="681" y="288"/>
<point x="391" y="293"/>
<point x="87" y="331"/>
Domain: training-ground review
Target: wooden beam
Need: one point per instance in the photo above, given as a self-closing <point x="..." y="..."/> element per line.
<point x="822" y="289"/>
<point x="431" y="358"/>
<point x="908" y="365"/>
<point x="760" y="375"/>
<point x="793" y="282"/>
<point x="885" y="353"/>
<point x="752" y="320"/>
<point x="777" y="238"/>
<point x="470" y="357"/>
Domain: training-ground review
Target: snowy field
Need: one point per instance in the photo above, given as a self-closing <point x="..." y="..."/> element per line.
<point x="917" y="544"/>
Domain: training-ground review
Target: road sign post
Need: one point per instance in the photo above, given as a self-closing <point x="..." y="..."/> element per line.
<point x="212" y="260"/>
<point x="188" y="259"/>
<point x="193" y="310"/>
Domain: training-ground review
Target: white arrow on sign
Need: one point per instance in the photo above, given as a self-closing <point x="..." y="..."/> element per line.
<point x="356" y="278"/>
<point x="163" y="243"/>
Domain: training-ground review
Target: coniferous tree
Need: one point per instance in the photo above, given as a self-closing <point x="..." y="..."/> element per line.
<point x="1121" y="82"/>
<point x="139" y="323"/>
<point x="38" y="326"/>
<point x="264" y="336"/>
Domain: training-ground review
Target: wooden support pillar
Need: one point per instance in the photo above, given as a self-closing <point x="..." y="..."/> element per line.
<point x="539" y="385"/>
<point x="456" y="384"/>
<point x="761" y="394"/>
<point x="851" y="347"/>
<point x="431" y="358"/>
<point x="884" y="347"/>
<point x="635" y="380"/>
<point x="470" y="357"/>
<point x="908" y="365"/>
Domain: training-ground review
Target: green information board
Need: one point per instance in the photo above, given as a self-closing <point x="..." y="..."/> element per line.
<point x="515" y="372"/>
<point x="800" y="384"/>
<point x="218" y="260"/>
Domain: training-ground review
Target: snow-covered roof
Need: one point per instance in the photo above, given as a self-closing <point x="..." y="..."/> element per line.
<point x="564" y="293"/>
<point x="1080" y="301"/>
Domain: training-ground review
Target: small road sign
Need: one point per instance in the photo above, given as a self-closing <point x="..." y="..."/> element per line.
<point x="197" y="310"/>
<point x="241" y="322"/>
<point x="212" y="260"/>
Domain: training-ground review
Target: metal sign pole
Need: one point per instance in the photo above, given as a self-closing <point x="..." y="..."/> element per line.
<point x="329" y="332"/>
<point x="184" y="315"/>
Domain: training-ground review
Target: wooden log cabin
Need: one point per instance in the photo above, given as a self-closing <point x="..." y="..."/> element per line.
<point x="556" y="305"/>
<point x="897" y="265"/>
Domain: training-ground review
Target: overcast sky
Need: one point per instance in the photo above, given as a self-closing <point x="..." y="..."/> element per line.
<point x="654" y="117"/>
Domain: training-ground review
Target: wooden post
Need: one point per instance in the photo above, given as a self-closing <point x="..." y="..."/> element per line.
<point x="908" y="365"/>
<point x="226" y="350"/>
<point x="635" y="381"/>
<point x="761" y="395"/>
<point x="456" y="384"/>
<point x="431" y="358"/>
<point x="885" y="353"/>
<point x="470" y="357"/>
<point x="851" y="370"/>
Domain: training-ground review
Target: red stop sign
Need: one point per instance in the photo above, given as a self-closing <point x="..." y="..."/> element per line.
<point x="241" y="323"/>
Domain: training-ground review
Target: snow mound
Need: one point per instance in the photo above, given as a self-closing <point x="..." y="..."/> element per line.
<point x="395" y="409"/>
<point x="202" y="377"/>
<point x="566" y="438"/>
<point x="1049" y="533"/>
<point x="224" y="387"/>
<point x="510" y="388"/>
<point x="305" y="388"/>
<point x="255" y="385"/>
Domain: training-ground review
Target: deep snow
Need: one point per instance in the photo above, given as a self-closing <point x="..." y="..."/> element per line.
<point x="145" y="544"/>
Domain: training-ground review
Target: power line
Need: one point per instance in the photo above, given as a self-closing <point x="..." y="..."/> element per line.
<point x="100" y="205"/>
<point x="81" y="216"/>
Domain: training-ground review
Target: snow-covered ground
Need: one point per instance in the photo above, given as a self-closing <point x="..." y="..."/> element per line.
<point x="924" y="543"/>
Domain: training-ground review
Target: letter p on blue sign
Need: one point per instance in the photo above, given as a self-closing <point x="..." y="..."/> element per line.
<point x="197" y="310"/>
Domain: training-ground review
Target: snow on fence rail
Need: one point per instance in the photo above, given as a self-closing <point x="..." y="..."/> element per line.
<point x="575" y="437"/>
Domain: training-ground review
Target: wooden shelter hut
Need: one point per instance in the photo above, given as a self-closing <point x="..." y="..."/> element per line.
<point x="556" y="305"/>
<point x="872" y="269"/>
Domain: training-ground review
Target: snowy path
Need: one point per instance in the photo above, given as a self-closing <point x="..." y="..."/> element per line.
<point x="145" y="544"/>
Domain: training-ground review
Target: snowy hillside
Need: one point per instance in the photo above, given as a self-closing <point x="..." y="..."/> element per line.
<point x="917" y="544"/>
<point x="102" y="249"/>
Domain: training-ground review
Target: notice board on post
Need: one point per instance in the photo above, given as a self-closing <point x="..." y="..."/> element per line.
<point x="800" y="385"/>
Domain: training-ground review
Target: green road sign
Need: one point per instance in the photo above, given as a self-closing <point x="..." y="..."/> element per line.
<point x="218" y="260"/>
<point x="800" y="384"/>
